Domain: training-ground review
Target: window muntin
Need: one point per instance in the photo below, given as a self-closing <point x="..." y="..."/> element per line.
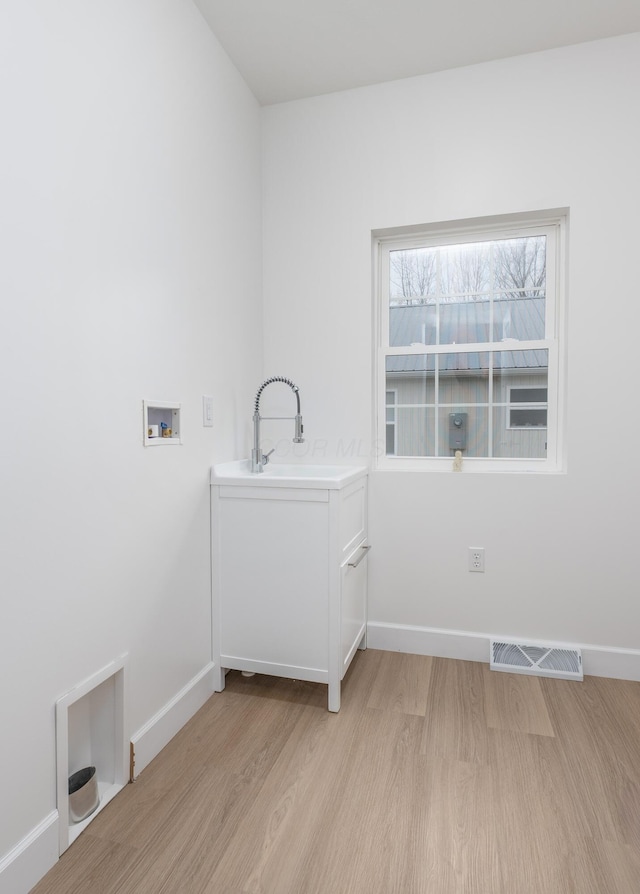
<point x="469" y="325"/>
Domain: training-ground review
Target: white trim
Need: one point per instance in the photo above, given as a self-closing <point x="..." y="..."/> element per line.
<point x="151" y="738"/>
<point x="23" y="867"/>
<point x="597" y="661"/>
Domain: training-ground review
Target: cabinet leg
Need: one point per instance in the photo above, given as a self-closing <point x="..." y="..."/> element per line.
<point x="219" y="675"/>
<point x="334" y="697"/>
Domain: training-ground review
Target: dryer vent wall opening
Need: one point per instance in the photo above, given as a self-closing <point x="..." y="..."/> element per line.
<point x="540" y="661"/>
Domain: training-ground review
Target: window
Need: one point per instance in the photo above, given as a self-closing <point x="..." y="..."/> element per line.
<point x="468" y="344"/>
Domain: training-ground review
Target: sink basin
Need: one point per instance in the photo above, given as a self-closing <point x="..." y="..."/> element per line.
<point x="285" y="475"/>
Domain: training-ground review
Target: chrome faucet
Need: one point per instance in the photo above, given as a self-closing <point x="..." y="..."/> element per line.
<point x="258" y="458"/>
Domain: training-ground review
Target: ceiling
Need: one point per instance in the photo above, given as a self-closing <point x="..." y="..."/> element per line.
<point x="290" y="49"/>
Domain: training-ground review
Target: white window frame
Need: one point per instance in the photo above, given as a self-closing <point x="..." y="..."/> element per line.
<point x="553" y="224"/>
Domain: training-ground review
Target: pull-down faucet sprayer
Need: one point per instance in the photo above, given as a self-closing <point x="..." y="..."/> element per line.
<point x="258" y="458"/>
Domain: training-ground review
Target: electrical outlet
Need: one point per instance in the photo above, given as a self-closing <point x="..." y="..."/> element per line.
<point x="476" y="558"/>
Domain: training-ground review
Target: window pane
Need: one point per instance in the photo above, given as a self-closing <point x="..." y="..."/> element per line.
<point x="412" y="380"/>
<point x="391" y="440"/>
<point x="465" y="321"/>
<point x="406" y="375"/>
<point x="520" y="265"/>
<point x="519" y="317"/>
<point x="474" y="430"/>
<point x="415" y="431"/>
<point x="520" y="443"/>
<point x="463" y="379"/>
<point x="521" y="369"/>
<point x="520" y="377"/>
<point x="412" y="275"/>
<point x="413" y="325"/>
<point x="465" y="269"/>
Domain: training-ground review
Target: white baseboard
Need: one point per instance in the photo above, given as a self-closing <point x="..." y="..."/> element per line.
<point x="597" y="661"/>
<point x="157" y="732"/>
<point x="23" y="867"/>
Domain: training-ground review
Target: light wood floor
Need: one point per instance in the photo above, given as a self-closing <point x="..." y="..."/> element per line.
<point x="436" y="777"/>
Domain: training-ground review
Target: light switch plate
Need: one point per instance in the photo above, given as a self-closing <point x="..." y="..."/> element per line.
<point x="207" y="411"/>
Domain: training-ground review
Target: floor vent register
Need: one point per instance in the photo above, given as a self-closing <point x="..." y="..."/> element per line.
<point x="540" y="661"/>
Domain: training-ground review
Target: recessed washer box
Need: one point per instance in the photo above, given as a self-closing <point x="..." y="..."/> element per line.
<point x="161" y="423"/>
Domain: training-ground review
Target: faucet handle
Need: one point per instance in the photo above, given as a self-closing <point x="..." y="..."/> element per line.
<point x="265" y="456"/>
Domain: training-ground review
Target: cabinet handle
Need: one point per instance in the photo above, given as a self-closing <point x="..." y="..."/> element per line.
<point x="365" y="550"/>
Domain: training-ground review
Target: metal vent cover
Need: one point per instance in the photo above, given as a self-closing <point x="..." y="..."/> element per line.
<point x="564" y="663"/>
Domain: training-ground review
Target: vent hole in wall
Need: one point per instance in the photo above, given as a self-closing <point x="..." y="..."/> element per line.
<point x="543" y="661"/>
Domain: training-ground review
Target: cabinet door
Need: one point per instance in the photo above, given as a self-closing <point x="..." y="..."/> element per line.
<point x="273" y="580"/>
<point x="353" y="604"/>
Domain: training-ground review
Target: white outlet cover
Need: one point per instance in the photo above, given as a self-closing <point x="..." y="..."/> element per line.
<point x="476" y="558"/>
<point x="207" y="411"/>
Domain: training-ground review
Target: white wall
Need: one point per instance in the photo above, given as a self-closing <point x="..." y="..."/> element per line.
<point x="130" y="233"/>
<point x="544" y="131"/>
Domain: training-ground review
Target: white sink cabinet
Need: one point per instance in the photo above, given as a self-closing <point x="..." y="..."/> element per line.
<point x="289" y="571"/>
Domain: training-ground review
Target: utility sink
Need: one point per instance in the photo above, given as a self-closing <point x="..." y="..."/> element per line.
<point x="286" y="475"/>
<point x="289" y="557"/>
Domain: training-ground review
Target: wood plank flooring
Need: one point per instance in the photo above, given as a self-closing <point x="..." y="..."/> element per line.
<point x="436" y="777"/>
